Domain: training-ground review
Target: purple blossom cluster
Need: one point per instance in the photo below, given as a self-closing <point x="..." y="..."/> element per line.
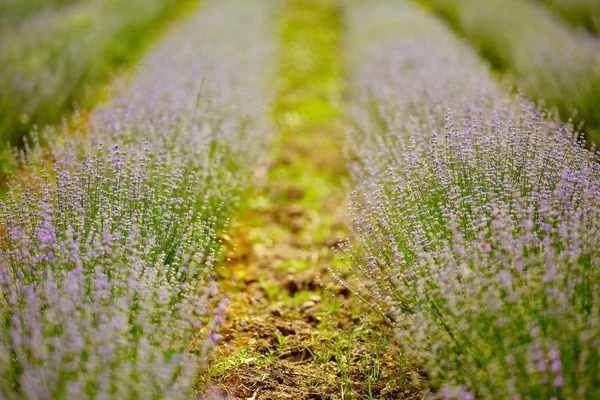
<point x="105" y="280"/>
<point x="109" y="237"/>
<point x="199" y="100"/>
<point x="478" y="217"/>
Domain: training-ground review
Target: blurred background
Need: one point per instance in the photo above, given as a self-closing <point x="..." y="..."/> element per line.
<point x="56" y="55"/>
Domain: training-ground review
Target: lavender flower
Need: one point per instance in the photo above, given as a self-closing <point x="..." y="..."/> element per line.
<point x="104" y="308"/>
<point x="198" y="104"/>
<point x="543" y="56"/>
<point x="106" y="282"/>
<point x="477" y="216"/>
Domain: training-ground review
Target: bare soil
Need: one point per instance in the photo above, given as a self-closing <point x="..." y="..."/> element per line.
<point x="292" y="332"/>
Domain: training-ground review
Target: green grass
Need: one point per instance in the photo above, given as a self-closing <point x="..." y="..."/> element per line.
<point x="48" y="65"/>
<point x="549" y="61"/>
<point x="578" y="13"/>
<point x="310" y="77"/>
<point x="310" y="85"/>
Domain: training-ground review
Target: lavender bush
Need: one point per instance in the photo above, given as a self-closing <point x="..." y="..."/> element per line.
<point x="547" y="59"/>
<point x="478" y="227"/>
<point x="199" y="100"/>
<point x="53" y="60"/>
<point x="105" y="280"/>
<point x="14" y="12"/>
<point x="107" y="250"/>
<point x="578" y="13"/>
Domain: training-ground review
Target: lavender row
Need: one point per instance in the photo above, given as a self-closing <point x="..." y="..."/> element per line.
<point x="579" y="14"/>
<point x="55" y="58"/>
<point x="14" y="12"/>
<point x="547" y="59"/>
<point x="477" y="216"/>
<point x="198" y="100"/>
<point x="109" y="238"/>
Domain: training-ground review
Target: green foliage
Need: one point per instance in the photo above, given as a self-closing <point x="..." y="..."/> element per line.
<point x="547" y="60"/>
<point x="13" y="12"/>
<point x="578" y="13"/>
<point x="309" y="79"/>
<point x="48" y="64"/>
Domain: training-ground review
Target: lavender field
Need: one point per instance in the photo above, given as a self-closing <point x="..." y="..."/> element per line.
<point x="299" y="199"/>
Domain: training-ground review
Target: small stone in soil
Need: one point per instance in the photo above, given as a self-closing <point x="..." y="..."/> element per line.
<point x="309" y="304"/>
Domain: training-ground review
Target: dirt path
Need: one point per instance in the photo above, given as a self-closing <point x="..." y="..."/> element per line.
<point x="292" y="333"/>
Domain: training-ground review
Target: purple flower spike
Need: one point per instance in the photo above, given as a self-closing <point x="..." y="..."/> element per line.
<point x="556" y="366"/>
<point x="476" y="211"/>
<point x="558" y="382"/>
<point x="132" y="223"/>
